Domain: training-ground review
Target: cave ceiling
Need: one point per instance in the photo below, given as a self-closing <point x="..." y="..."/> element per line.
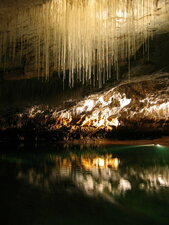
<point x="59" y="43"/>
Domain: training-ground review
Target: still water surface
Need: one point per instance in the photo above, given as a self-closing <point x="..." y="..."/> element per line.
<point x="73" y="184"/>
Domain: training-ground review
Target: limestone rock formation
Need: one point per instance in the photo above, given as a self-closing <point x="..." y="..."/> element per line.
<point x="139" y="105"/>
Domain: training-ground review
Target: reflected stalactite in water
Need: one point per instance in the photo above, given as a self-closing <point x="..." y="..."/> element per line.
<point x="98" y="175"/>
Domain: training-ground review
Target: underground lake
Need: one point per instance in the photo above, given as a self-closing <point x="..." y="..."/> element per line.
<point x="84" y="112"/>
<point x="84" y="184"/>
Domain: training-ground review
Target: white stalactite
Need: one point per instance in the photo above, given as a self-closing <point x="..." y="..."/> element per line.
<point x="75" y="36"/>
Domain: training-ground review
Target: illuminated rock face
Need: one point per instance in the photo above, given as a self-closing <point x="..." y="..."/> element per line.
<point x="138" y="105"/>
<point x="85" y="37"/>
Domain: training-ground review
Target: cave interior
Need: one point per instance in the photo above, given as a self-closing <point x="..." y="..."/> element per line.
<point x="84" y="69"/>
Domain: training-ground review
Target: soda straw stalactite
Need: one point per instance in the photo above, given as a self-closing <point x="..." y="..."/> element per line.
<point x="84" y="37"/>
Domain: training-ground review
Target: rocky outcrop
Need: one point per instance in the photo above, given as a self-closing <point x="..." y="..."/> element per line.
<point x="137" y="105"/>
<point x="132" y="108"/>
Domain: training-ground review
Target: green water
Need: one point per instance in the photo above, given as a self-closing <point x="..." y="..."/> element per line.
<point x="83" y="185"/>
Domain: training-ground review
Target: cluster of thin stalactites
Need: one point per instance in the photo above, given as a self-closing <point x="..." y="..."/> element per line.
<point x="81" y="39"/>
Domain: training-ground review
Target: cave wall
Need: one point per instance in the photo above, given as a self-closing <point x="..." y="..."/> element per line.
<point x="43" y="91"/>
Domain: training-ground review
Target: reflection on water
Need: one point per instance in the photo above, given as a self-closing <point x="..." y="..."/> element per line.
<point x="94" y="174"/>
<point x="128" y="185"/>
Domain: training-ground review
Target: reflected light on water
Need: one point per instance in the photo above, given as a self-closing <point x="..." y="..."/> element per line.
<point x="100" y="162"/>
<point x="124" y="185"/>
<point x="97" y="174"/>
